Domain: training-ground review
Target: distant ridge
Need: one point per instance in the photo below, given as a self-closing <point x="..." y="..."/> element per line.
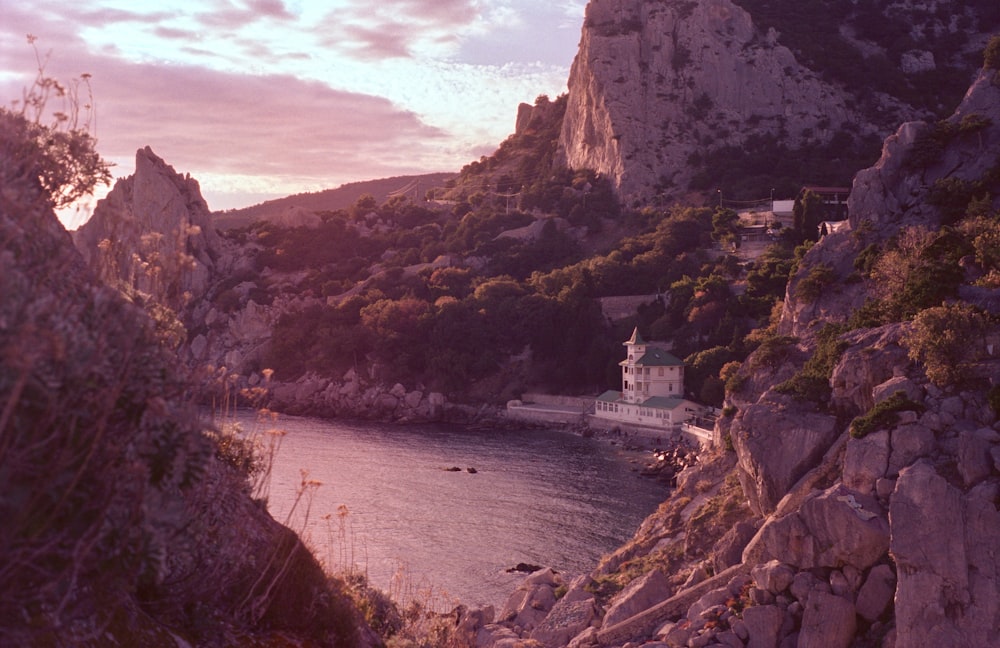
<point x="331" y="199"/>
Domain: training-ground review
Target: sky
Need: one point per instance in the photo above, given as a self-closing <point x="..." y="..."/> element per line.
<point x="258" y="99"/>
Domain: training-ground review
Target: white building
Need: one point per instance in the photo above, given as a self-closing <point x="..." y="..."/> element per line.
<point x="652" y="389"/>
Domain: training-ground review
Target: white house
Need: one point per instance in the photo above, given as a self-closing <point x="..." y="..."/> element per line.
<point x="652" y="392"/>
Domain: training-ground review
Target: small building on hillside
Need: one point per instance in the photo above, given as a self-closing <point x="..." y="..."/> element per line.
<point x="652" y="393"/>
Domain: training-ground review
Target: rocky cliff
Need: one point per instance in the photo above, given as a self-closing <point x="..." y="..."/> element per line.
<point x="856" y="505"/>
<point x="122" y="522"/>
<point x="153" y="235"/>
<point x="659" y="87"/>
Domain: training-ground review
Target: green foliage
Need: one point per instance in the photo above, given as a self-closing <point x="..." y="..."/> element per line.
<point x="770" y="161"/>
<point x="726" y="226"/>
<point x="812" y="382"/>
<point x="948" y="340"/>
<point x="929" y="146"/>
<point x="991" y="55"/>
<point x="884" y="415"/>
<point x="866" y="259"/>
<point x="60" y="156"/>
<point x="809" y="212"/>
<point x="993" y="398"/>
<point x="819" y="278"/>
<point x="917" y="270"/>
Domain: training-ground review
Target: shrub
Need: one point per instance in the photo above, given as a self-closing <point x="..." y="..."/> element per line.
<point x="948" y="340"/>
<point x="991" y="55"/>
<point x="993" y="398"/>
<point x="813" y="284"/>
<point x="884" y="414"/>
<point x="812" y="382"/>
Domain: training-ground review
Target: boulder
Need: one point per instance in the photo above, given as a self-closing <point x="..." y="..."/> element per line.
<point x="641" y="594"/>
<point x="909" y="442"/>
<point x="847" y="527"/>
<point x="532" y="600"/>
<point x="777" y="441"/>
<point x="709" y="603"/>
<point x="774" y="576"/>
<point x="496" y="636"/>
<point x="828" y="621"/>
<point x="870" y="360"/>
<point x="413" y="398"/>
<point x="728" y="551"/>
<point x="895" y="384"/>
<point x="865" y="461"/>
<point x="974" y="459"/>
<point x="877" y="592"/>
<point x="928" y="545"/>
<point x="763" y="624"/>
<point x="566" y="620"/>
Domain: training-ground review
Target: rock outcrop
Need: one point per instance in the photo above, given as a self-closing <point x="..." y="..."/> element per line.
<point x="121" y="525"/>
<point x="655" y="82"/>
<point x="658" y="86"/>
<point x="153" y="235"/>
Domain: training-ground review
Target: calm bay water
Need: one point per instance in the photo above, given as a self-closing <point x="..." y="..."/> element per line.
<point x="542" y="497"/>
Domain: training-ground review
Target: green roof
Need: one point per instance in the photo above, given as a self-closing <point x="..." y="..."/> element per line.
<point x="658" y="358"/>
<point x="610" y="396"/>
<point x="663" y="402"/>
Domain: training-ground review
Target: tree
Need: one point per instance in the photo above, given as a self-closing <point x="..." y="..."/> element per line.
<point x="726" y="227"/>
<point x="808" y="214"/>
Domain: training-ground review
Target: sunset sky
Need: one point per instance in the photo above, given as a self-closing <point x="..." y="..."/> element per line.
<point x="264" y="98"/>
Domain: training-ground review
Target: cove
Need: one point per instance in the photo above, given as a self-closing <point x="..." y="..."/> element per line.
<point x="543" y="497"/>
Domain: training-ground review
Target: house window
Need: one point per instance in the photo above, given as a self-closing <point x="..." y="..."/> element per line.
<point x="646" y="371"/>
<point x="671" y="387"/>
<point x="661" y="371"/>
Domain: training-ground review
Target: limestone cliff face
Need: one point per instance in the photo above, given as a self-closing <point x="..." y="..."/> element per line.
<point x="152" y="234"/>
<point x="655" y="82"/>
<point x="880" y="533"/>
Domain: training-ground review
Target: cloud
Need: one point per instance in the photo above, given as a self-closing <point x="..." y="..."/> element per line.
<point x="399" y="28"/>
<point x="272" y="96"/>
<point x="253" y="125"/>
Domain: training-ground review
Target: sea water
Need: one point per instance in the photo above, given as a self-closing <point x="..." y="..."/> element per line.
<point x="389" y="504"/>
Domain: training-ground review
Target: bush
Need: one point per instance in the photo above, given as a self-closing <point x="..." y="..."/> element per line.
<point x="812" y="382"/>
<point x="993" y="398"/>
<point x="884" y="415"/>
<point x="948" y="340"/>
<point x="813" y="284"/>
<point x="991" y="55"/>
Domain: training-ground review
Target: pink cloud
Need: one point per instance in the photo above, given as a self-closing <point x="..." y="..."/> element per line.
<point x="271" y="8"/>
<point x="391" y="29"/>
<point x="226" y="123"/>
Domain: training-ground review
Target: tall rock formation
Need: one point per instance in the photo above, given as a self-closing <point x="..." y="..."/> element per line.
<point x="655" y="82"/>
<point x="658" y="87"/>
<point x="152" y="234"/>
